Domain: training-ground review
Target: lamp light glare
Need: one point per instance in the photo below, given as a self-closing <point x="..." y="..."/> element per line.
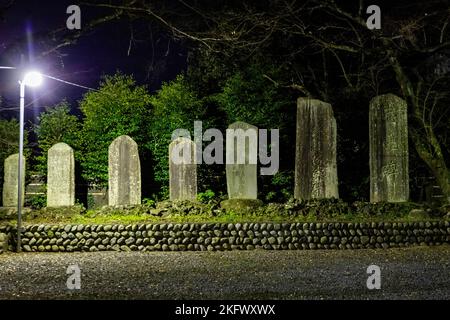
<point x="32" y="79"/>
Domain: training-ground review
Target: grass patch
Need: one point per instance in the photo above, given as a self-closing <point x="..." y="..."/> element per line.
<point x="329" y="210"/>
<point x="231" y="217"/>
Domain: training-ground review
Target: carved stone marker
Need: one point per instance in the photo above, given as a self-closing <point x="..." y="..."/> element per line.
<point x="241" y="161"/>
<point x="60" y="176"/>
<point x="124" y="172"/>
<point x="388" y="134"/>
<point x="10" y="182"/>
<point x="315" y="151"/>
<point x="182" y="170"/>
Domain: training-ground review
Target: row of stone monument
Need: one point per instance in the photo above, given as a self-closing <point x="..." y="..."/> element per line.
<point x="315" y="161"/>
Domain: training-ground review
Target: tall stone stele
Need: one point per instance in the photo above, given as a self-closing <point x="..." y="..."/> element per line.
<point x="10" y="182"/>
<point x="388" y="134"/>
<point x="182" y="170"/>
<point x="60" y="176"/>
<point x="124" y="172"/>
<point x="315" y="151"/>
<point x="241" y="161"/>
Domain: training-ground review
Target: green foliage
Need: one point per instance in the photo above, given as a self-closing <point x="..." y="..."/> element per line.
<point x="119" y="107"/>
<point x="137" y="210"/>
<point x="37" y="201"/>
<point x="9" y="141"/>
<point x="382" y="208"/>
<point x="280" y="188"/>
<point x="175" y="106"/>
<point x="56" y="125"/>
<point x="249" y="96"/>
<point x="90" y="201"/>
<point x="320" y="210"/>
<point x="55" y="215"/>
<point x="148" y="202"/>
<point x="9" y="137"/>
<point x="206" y="196"/>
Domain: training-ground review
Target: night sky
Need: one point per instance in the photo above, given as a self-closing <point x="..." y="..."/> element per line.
<point x="23" y="30"/>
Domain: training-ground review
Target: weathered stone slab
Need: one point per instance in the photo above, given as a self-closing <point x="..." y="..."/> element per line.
<point x="124" y="172"/>
<point x="3" y="242"/>
<point x="388" y="134"/>
<point x="315" y="151"/>
<point x="241" y="161"/>
<point x="182" y="170"/>
<point x="10" y="182"/>
<point x="60" y="176"/>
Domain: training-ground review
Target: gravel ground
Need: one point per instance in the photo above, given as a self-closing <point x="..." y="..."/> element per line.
<point x="410" y="273"/>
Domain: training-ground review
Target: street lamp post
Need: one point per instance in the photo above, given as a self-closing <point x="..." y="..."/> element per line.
<point x="31" y="79"/>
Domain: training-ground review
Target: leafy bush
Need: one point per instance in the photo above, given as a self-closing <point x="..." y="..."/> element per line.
<point x="205" y="196"/>
<point x="148" y="202"/>
<point x="174" y="106"/>
<point x="280" y="187"/>
<point x="37" y="202"/>
<point x="56" y="125"/>
<point x="119" y="107"/>
<point x="90" y="201"/>
<point x="249" y="96"/>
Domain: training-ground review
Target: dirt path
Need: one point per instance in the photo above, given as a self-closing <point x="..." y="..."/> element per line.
<point x="412" y="273"/>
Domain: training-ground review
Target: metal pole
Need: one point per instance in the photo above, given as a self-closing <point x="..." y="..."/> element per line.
<point x="20" y="174"/>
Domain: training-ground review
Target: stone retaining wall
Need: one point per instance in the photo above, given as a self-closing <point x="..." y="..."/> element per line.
<point x="222" y="236"/>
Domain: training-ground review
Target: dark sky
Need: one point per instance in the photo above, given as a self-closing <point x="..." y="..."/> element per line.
<point x="153" y="57"/>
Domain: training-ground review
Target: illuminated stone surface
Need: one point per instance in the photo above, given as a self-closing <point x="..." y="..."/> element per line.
<point x="388" y="134"/>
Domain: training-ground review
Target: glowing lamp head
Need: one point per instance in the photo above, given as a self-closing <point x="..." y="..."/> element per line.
<point x="32" y="79"/>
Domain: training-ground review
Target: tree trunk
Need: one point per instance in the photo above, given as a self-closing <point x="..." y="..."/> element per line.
<point x="427" y="145"/>
<point x="434" y="160"/>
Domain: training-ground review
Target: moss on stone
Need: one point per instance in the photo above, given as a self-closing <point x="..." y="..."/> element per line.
<point x="238" y="210"/>
<point x="241" y="205"/>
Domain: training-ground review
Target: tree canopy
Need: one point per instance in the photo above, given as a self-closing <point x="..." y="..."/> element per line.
<point x="56" y="125"/>
<point x="119" y="107"/>
<point x="251" y="60"/>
